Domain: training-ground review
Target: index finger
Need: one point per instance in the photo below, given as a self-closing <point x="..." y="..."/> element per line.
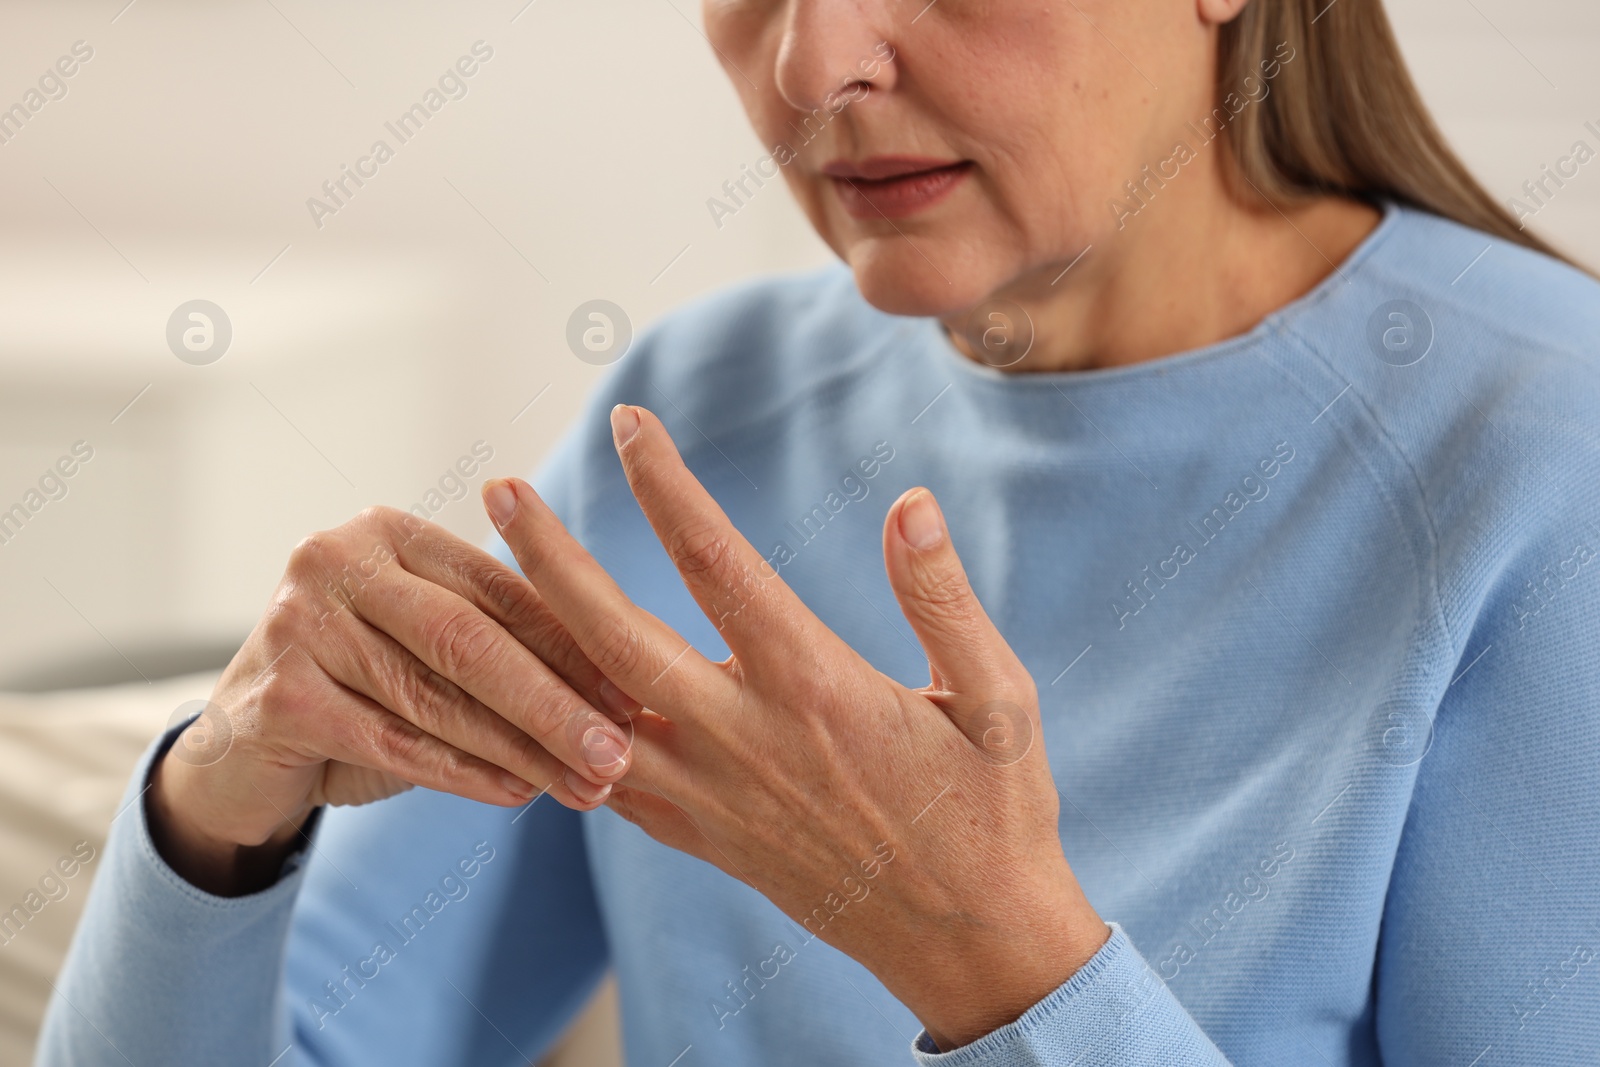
<point x="644" y="656"/>
<point x="758" y="615"/>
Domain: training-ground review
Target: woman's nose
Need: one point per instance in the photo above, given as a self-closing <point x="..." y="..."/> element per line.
<point x="831" y="45"/>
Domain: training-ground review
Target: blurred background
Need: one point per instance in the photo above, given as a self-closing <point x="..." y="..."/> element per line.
<point x="418" y="316"/>
<point x="368" y="353"/>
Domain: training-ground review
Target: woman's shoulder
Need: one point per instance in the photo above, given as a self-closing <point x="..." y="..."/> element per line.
<point x="1494" y="400"/>
<point x="1489" y="298"/>
<point x="1465" y="327"/>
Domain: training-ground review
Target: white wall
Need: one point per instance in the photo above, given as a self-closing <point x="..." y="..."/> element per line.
<point x="1512" y="83"/>
<point x="379" y="347"/>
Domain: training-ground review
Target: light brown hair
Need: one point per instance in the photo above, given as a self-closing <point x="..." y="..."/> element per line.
<point x="1344" y="117"/>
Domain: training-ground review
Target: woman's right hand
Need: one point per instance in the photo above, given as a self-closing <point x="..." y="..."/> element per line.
<point x="393" y="654"/>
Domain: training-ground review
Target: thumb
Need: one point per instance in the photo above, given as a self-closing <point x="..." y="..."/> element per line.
<point x="966" y="653"/>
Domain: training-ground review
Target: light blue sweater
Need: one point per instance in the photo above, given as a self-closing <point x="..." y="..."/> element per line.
<point x="1314" y="622"/>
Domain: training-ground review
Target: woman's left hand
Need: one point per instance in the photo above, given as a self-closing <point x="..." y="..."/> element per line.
<point x="914" y="830"/>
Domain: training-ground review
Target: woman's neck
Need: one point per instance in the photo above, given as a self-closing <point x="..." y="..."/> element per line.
<point x="1193" y="267"/>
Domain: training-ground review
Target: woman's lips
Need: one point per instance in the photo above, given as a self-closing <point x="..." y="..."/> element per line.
<point x="894" y="186"/>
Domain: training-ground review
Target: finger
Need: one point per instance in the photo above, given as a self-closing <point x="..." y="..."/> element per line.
<point x="763" y="622"/>
<point x="640" y="653"/>
<point x="966" y="653"/>
<point x="349" y="785"/>
<point x="375" y="665"/>
<point x="665" y="822"/>
<point x="355" y="729"/>
<point x="507" y="597"/>
<point x="464" y="645"/>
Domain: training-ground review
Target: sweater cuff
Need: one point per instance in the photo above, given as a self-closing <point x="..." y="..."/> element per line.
<point x="1113" y="1011"/>
<point x="149" y="871"/>
<point x="161" y="971"/>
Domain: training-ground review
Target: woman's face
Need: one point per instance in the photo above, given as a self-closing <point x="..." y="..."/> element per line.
<point x="954" y="149"/>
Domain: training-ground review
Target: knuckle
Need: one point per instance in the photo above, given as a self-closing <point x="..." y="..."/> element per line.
<point x="510" y="593"/>
<point x="548" y="639"/>
<point x="284" y="621"/>
<point x="372" y="516"/>
<point x="307" y="602"/>
<point x="545" y="712"/>
<point x="391" y="523"/>
<point x="701" y="550"/>
<point x="945" y="592"/>
<point x="618" y="648"/>
<point x="316" y="553"/>
<point x="551" y="641"/>
<point x="397" y="742"/>
<point x="459" y="642"/>
<point x="423" y="694"/>
<point x="285" y="695"/>
<point x="375" y="520"/>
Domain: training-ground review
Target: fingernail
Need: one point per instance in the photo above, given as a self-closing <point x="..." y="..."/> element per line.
<point x="616" y="701"/>
<point x="920" y="522"/>
<point x="586" y="790"/>
<point x="604" y="751"/>
<point x="624" y="424"/>
<point x="501" y="501"/>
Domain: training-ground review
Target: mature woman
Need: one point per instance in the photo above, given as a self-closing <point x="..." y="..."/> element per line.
<point x="1264" y="709"/>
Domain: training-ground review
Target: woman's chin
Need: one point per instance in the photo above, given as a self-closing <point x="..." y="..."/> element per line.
<point x="922" y="279"/>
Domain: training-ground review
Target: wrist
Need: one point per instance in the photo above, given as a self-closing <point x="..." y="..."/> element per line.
<point x="210" y="858"/>
<point x="1006" y="966"/>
